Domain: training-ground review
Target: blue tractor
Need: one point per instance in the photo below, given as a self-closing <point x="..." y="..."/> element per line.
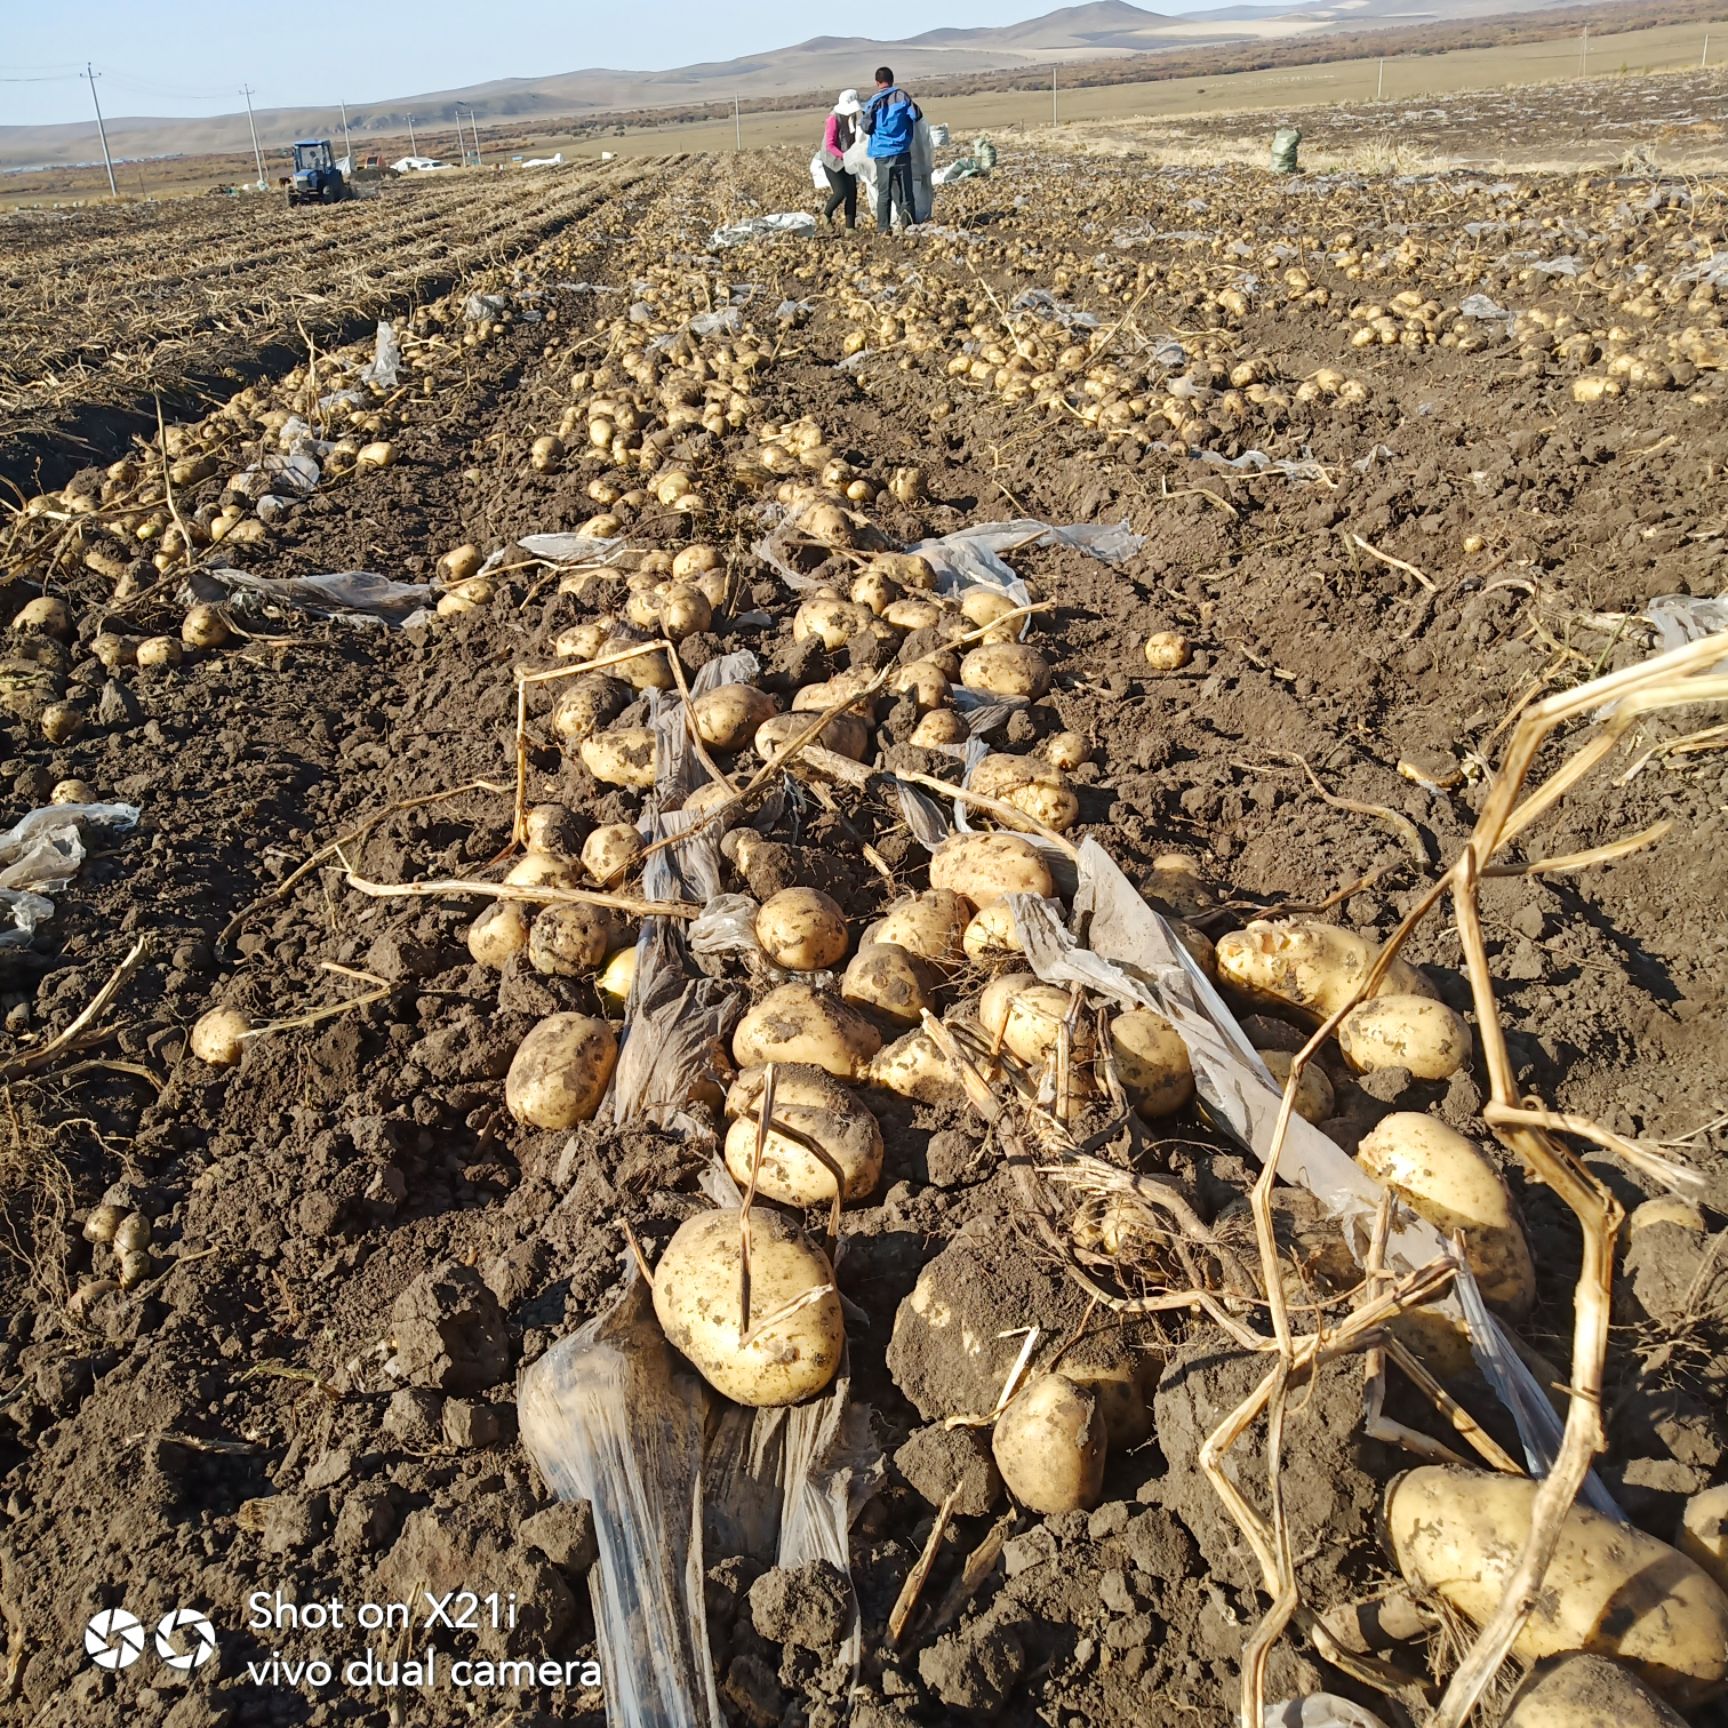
<point x="316" y="179"/>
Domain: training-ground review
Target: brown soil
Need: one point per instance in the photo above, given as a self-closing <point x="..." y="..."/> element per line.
<point x="356" y="1250"/>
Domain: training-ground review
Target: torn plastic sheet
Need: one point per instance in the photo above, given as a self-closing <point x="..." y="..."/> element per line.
<point x="1479" y="306"/>
<point x="969" y="557"/>
<point x="1043" y="304"/>
<point x="1258" y="462"/>
<point x="346" y="594"/>
<point x="41" y="853"/>
<point x="1713" y="270"/>
<point x="797" y="222"/>
<point x="1135" y="959"/>
<point x="1683" y="618"/>
<point x="672" y="1475"/>
<point x="566" y="548"/>
<point x="386" y="362"/>
<point x="1319" y="1710"/>
<point x="477" y="308"/>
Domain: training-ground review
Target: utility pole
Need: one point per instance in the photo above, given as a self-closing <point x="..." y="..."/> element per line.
<point x="1380" y="80"/>
<point x="257" y="154"/>
<point x="114" y="191"/>
<point x="1704" y="58"/>
<point x="474" y="127"/>
<point x="347" y="142"/>
<point x="1584" y="54"/>
<point x="737" y="125"/>
<point x="413" y="143"/>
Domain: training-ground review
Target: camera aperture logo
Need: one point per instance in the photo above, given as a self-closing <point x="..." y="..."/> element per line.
<point x="185" y="1639"/>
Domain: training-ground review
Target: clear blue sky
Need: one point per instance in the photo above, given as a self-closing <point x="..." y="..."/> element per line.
<point x="190" y="57"/>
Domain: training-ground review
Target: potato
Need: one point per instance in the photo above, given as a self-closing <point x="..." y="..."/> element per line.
<point x="1166" y="651"/>
<point x="156" y="651"/>
<point x="219" y="1037"/>
<point x="991" y="934"/>
<point x="1587" y="1692"/>
<point x="908" y="569"/>
<point x="889" y="980"/>
<point x="624" y="756"/>
<point x="617" y="978"/>
<point x="543" y="869"/>
<point x="571" y="941"/>
<point x="790" y="1172"/>
<point x="797" y="1023"/>
<point x="1310" y="966"/>
<point x="985" y="867"/>
<point x="1703" y="1533"/>
<point x="609" y="854"/>
<point x="1025" y="1016"/>
<point x="831" y="621"/>
<point x="1049" y="1445"/>
<point x="581" y="641"/>
<point x="1006" y="669"/>
<point x="1035" y="787"/>
<point x="925" y="682"/>
<point x="846" y="735"/>
<point x="929" y="925"/>
<point x="45" y="614"/>
<point x="692" y="562"/>
<point x="982" y="606"/>
<point x="802" y="930"/>
<point x="641" y="671"/>
<point x="696" y="1299"/>
<point x="61" y="721"/>
<point x="1442" y="1177"/>
<point x="940" y="726"/>
<point x="1122" y="1379"/>
<point x="728" y="716"/>
<point x="459" y="563"/>
<point x="1415" y="1033"/>
<point x="685" y="611"/>
<point x="1151" y="1062"/>
<point x="915" y="1068"/>
<point x="500" y="931"/>
<point x="73" y="792"/>
<point x="1068" y="750"/>
<point x="914" y="612"/>
<point x="204" y="626"/>
<point x="1610" y="1591"/>
<point x="850" y="686"/>
<point x="1314" y="1097"/>
<point x="560" y="1071"/>
<point x="587" y="704"/>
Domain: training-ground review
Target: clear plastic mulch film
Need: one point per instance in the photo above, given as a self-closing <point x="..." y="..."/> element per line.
<point x="42" y="853"/>
<point x="1682" y="618"/>
<point x="795" y="222"/>
<point x="1136" y="960"/>
<point x="675" y="1016"/>
<point x="1319" y="1710"/>
<point x="674" y="1475"/>
<point x="351" y="596"/>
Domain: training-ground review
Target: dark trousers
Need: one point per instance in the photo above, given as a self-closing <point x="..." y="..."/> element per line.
<point x="894" y="187"/>
<point x="843" y="189"/>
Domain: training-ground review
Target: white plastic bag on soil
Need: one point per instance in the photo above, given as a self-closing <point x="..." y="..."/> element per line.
<point x="1135" y="960"/>
<point x="350" y="595"/>
<point x="41" y="853"/>
<point x="796" y="222"/>
<point x="1683" y="618"/>
<point x="1319" y="1710"/>
<point x="674" y="1475"/>
<point x="386" y="361"/>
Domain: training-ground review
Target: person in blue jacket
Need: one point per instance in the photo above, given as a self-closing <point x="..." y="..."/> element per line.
<point x="889" y="118"/>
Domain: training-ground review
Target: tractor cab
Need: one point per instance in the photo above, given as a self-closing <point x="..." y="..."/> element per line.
<point x="316" y="178"/>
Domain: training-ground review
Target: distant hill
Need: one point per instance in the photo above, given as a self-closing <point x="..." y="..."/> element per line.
<point x="1091" y="32"/>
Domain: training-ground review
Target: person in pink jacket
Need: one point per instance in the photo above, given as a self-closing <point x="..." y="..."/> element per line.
<point x="837" y="136"/>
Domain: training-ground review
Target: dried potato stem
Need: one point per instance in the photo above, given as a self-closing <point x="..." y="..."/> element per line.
<point x="76" y="1034"/>
<point x="907" y="1601"/>
<point x="538" y="894"/>
<point x="1002" y="811"/>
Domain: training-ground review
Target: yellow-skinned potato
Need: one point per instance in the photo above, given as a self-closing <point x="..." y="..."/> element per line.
<point x="1703" y="1533"/>
<point x="985" y="867"/>
<point x="1412" y="1032"/>
<point x="802" y="930"/>
<point x="728" y="716"/>
<point x="580" y="641"/>
<point x="1151" y="1062"/>
<point x="914" y="612"/>
<point x="560" y="1071"/>
<point x="219" y="1037"/>
<point x="925" y="682"/>
<point x="1314" y="1097"/>
<point x="797" y="1023"/>
<point x="1068" y="750"/>
<point x="983" y="605"/>
<point x="609" y="854"/>
<point x="1611" y="1590"/>
<point x="940" y="726"/>
<point x="1049" y="1445"/>
<point x="811" y="1107"/>
<point x="931" y="925"/>
<point x="992" y="934"/>
<point x="617" y="977"/>
<point x="696" y="1300"/>
<point x="891" y="981"/>
<point x="1167" y="651"/>
<point x="1445" y="1179"/>
<point x="1035" y="787"/>
<point x="1587" y="1692"/>
<point x="832" y="621"/>
<point x="915" y="1068"/>
<point x="1310" y="966"/>
<point x="685" y="611"/>
<point x="588" y="704"/>
<point x="1026" y="1015"/>
<point x="852" y="685"/>
<point x="908" y="569"/>
<point x="536" y="869"/>
<point x="623" y="756"/>
<point x="845" y="734"/>
<point x="500" y="931"/>
<point x="571" y="941"/>
<point x="1006" y="669"/>
<point x="649" y="671"/>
